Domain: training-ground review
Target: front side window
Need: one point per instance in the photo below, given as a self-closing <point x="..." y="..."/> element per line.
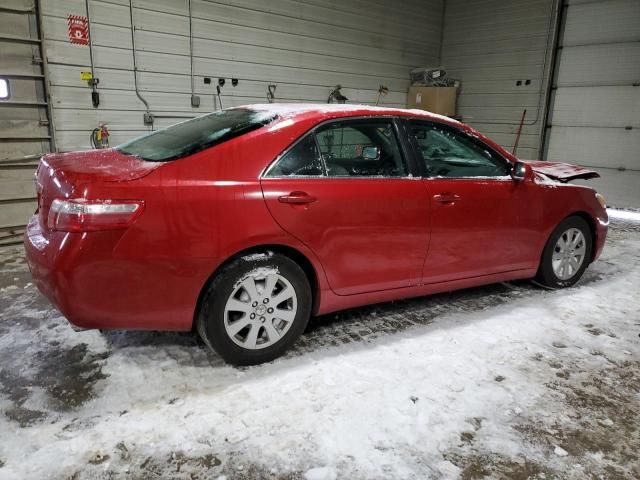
<point x="192" y="136"/>
<point x="361" y="149"/>
<point x="448" y="153"/>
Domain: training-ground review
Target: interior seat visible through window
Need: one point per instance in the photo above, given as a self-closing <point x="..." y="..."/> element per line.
<point x="361" y="149"/>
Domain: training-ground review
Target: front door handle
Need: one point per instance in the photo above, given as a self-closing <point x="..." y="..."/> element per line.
<point x="446" y="198"/>
<point x="298" y="198"/>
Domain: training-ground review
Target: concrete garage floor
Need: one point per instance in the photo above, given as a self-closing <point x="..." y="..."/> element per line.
<point x="505" y="381"/>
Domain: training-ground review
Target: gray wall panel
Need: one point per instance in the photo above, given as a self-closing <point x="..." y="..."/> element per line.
<point x="305" y="46"/>
<point x="596" y="106"/>
<point x="490" y="45"/>
<point x="24" y="122"/>
<point x="596" y="147"/>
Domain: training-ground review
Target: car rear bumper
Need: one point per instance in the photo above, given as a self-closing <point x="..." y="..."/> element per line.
<point x="41" y="254"/>
<point x="83" y="277"/>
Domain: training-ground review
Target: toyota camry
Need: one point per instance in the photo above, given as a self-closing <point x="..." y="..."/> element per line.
<point x="244" y="223"/>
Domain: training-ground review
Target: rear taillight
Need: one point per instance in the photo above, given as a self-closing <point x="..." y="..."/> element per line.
<point x="78" y="215"/>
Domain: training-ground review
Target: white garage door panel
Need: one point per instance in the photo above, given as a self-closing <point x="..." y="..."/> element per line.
<point x="65" y="53"/>
<point x="498" y="100"/>
<point x="111" y="81"/>
<point x="15" y="128"/>
<point x="480" y="47"/>
<point x="78" y="140"/>
<point x="512" y="114"/>
<point x="18" y="149"/>
<point x="73" y="98"/>
<point x="246" y="92"/>
<point x="16" y="214"/>
<point x="262" y="52"/>
<point x="595" y="147"/>
<point x="615" y="64"/>
<point x="595" y="115"/>
<point x="24" y="121"/>
<point x="147" y="39"/>
<point x="497" y="86"/>
<point x="306" y="47"/>
<point x="602" y="22"/>
<point x="491" y="46"/>
<point x="508" y="139"/>
<point x="597" y="106"/>
<point x="19" y="183"/>
<point x="152" y="16"/>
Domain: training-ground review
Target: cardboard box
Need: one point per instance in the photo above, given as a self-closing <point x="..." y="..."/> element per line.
<point x="440" y="100"/>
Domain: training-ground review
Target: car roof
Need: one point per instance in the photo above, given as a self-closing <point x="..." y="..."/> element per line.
<point x="335" y="110"/>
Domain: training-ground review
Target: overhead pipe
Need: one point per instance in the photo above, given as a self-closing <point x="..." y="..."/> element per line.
<point x="148" y="116"/>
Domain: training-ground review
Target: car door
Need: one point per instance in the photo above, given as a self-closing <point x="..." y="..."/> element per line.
<point x="477" y="223"/>
<point x="346" y="191"/>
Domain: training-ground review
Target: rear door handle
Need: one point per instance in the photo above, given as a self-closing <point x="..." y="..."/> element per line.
<point x="446" y="198"/>
<point x="298" y="198"/>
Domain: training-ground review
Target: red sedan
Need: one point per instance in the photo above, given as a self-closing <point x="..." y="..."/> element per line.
<point x="245" y="222"/>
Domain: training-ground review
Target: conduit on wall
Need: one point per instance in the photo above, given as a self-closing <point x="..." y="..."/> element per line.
<point x="148" y="116"/>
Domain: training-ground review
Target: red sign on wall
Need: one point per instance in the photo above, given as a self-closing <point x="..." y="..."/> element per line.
<point x="78" y="29"/>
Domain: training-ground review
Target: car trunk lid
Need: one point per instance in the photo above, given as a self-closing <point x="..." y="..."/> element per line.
<point x="63" y="175"/>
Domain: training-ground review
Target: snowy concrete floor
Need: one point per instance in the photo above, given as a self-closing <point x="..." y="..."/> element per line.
<point x="505" y="381"/>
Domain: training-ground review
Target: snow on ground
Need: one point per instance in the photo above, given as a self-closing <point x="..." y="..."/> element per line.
<point x="504" y="381"/>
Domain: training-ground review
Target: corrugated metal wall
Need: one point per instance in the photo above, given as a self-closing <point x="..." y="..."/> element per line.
<point x="491" y="45"/>
<point x="306" y="47"/>
<point x="24" y="123"/>
<point x="595" y="118"/>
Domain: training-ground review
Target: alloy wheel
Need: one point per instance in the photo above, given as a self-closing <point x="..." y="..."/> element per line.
<point x="260" y="310"/>
<point x="568" y="254"/>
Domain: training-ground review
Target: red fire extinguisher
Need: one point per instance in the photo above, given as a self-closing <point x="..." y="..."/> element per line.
<point x="100" y="137"/>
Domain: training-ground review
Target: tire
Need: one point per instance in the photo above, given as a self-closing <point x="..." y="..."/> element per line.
<point x="560" y="249"/>
<point x="245" y="324"/>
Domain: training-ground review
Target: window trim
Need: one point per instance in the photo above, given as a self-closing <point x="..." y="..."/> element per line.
<point x="8" y="83"/>
<point x="418" y="156"/>
<point x="406" y="155"/>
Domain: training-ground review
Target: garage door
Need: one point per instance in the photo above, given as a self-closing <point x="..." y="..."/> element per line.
<point x="24" y="125"/>
<point x="595" y="117"/>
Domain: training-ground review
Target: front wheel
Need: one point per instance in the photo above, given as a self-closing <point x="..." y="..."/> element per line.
<point x="255" y="308"/>
<point x="566" y="255"/>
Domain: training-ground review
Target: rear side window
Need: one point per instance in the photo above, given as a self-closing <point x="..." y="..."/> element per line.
<point x="361" y="149"/>
<point x="194" y="135"/>
<point x="302" y="160"/>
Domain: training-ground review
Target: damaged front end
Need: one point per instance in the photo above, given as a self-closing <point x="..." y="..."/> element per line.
<point x="561" y="172"/>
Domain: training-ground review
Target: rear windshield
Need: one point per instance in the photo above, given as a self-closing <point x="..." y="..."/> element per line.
<point x="189" y="137"/>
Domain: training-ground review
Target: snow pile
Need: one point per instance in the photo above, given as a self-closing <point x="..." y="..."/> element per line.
<point x="391" y="408"/>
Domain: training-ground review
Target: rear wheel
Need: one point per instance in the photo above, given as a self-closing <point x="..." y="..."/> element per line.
<point x="566" y="255"/>
<point x="255" y="308"/>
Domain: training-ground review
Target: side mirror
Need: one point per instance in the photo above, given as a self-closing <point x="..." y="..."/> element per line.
<point x="371" y="153"/>
<point x="519" y="171"/>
